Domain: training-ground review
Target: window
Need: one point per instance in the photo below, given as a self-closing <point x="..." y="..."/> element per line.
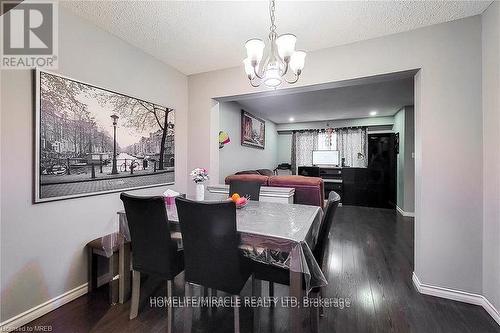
<point x="351" y="142"/>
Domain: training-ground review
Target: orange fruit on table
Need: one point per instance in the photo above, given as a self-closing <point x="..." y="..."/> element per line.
<point x="235" y="197"/>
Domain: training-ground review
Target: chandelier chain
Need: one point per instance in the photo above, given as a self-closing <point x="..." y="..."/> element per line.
<point x="272" y="8"/>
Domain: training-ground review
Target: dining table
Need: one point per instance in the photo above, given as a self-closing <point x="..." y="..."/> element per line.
<point x="273" y="233"/>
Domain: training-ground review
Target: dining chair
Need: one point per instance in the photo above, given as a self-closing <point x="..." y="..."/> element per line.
<point x="153" y="250"/>
<point x="274" y="274"/>
<point x="245" y="188"/>
<point x="212" y="257"/>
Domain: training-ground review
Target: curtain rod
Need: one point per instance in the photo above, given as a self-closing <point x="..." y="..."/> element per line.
<point x="323" y="129"/>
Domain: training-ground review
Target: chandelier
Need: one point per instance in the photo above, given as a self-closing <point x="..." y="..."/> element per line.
<point x="282" y="59"/>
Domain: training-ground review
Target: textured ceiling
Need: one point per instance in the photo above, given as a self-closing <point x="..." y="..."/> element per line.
<point x="200" y="36"/>
<point x="337" y="103"/>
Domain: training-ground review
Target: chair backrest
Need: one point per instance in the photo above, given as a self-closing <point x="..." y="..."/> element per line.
<point x="153" y="250"/>
<point x="245" y="188"/>
<point x="308" y="190"/>
<point x="326" y="224"/>
<point x="210" y="239"/>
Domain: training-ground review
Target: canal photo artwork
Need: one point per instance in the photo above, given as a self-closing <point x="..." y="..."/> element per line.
<point x="92" y="140"/>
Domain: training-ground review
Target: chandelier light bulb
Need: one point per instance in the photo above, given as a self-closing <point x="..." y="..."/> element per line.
<point x="297" y="61"/>
<point x="248" y="68"/>
<point x="286" y="46"/>
<point x="255" y="49"/>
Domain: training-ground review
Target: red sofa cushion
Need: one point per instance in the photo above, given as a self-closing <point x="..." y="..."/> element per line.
<point x="248" y="177"/>
<point x="308" y="190"/>
<point x="247" y="172"/>
<point x="263" y="172"/>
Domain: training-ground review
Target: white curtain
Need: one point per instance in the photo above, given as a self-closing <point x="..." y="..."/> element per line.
<point x="305" y="143"/>
<point x="352" y="143"/>
<point x="327" y="140"/>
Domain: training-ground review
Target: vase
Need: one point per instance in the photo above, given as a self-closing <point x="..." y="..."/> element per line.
<point x="200" y="192"/>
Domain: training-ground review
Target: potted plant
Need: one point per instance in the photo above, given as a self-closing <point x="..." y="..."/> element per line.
<point x="199" y="176"/>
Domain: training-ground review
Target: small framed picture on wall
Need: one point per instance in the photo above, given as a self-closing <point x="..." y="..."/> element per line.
<point x="253" y="131"/>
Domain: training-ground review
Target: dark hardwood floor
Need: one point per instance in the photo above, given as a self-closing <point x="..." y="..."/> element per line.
<point x="370" y="261"/>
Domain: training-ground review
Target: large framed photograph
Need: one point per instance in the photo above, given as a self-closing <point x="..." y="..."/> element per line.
<point x="253" y="131"/>
<point x="91" y="140"/>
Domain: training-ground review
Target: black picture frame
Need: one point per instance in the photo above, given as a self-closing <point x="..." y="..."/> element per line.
<point x="63" y="172"/>
<point x="253" y="131"/>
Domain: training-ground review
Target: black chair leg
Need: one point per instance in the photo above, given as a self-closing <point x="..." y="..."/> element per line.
<point x="212" y="293"/>
<point x="124" y="273"/>
<point x="314" y="319"/>
<point x="256" y="291"/>
<point x="204" y="294"/>
<point x="92" y="270"/>
<point x="113" y="284"/>
<point x="136" y="289"/>
<point x="314" y="315"/>
<point x="170" y="309"/>
<point x="236" y="315"/>
<point x="271" y="292"/>
<point x="188" y="310"/>
<point x="321" y="309"/>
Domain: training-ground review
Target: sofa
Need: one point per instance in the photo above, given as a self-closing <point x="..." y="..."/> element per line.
<point x="308" y="190"/>
<point x="263" y="172"/>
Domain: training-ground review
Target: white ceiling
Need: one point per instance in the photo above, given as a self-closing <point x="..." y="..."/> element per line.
<point x="338" y="103"/>
<point x="200" y="36"/>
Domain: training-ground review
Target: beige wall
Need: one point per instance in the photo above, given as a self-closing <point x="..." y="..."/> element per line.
<point x="409" y="172"/>
<point x="491" y="153"/>
<point x="42" y="246"/>
<point x="448" y="90"/>
<point x="404" y="125"/>
<point x="234" y="157"/>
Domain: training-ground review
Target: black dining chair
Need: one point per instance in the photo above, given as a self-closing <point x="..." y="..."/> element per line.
<point x="153" y="250"/>
<point x="212" y="257"/>
<point x="274" y="274"/>
<point x="245" y="188"/>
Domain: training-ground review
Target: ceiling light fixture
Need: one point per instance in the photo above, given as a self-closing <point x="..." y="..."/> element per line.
<point x="281" y="58"/>
<point x="373" y="113"/>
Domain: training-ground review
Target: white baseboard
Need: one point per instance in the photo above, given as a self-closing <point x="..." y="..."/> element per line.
<point x="493" y="312"/>
<point x="407" y="214"/>
<point x="457" y="295"/>
<point x="42" y="309"/>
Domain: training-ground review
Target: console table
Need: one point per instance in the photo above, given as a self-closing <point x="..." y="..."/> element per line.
<point x="368" y="187"/>
<point x="267" y="193"/>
